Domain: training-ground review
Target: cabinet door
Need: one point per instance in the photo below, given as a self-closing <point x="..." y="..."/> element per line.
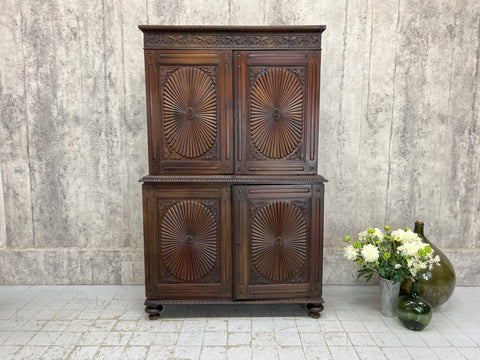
<point x="278" y="241"/>
<point x="189" y="110"/>
<point x="277" y="102"/>
<point x="187" y="241"/>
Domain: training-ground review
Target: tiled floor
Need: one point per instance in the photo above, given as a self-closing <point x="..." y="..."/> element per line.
<point x="108" y="322"/>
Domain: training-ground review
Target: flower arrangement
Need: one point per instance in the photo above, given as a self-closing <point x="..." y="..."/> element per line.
<point x="394" y="255"/>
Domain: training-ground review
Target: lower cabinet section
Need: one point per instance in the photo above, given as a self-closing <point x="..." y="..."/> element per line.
<point x="188" y="248"/>
<point x="278" y="250"/>
<point x="228" y="243"/>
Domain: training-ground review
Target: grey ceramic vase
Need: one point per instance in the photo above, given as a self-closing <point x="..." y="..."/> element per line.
<point x="389" y="297"/>
<point x="436" y="285"/>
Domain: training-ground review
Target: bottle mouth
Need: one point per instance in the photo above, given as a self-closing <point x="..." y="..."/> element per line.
<point x="419" y="222"/>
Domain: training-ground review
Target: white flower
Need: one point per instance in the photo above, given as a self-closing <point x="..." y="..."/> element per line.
<point x="398" y="266"/>
<point x="362" y="235"/>
<point x="370" y="253"/>
<point x="350" y="253"/>
<point x="406" y="236"/>
<point x="378" y="233"/>
<point x="409" y="248"/>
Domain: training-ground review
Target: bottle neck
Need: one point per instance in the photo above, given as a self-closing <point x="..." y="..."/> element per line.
<point x="419" y="228"/>
<point x="415" y="288"/>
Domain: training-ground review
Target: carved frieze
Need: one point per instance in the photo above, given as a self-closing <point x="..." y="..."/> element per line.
<point x="170" y="40"/>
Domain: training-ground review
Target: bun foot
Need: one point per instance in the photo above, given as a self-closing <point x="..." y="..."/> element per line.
<point x="314" y="310"/>
<point x="153" y="309"/>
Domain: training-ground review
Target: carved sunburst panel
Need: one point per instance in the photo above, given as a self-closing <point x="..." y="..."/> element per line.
<point x="189" y="102"/>
<point x="276" y="113"/>
<point x="279" y="241"/>
<point x="189" y="238"/>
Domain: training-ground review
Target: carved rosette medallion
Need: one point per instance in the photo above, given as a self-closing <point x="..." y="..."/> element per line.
<point x="279" y="241"/>
<point x="190" y="112"/>
<point x="188" y="234"/>
<point x="276" y="113"/>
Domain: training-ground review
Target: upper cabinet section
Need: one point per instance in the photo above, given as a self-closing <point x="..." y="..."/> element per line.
<point x="277" y="111"/>
<point x="189" y="110"/>
<point x="232" y="100"/>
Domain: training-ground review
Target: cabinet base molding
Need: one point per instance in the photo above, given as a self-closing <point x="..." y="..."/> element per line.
<point x="153" y="307"/>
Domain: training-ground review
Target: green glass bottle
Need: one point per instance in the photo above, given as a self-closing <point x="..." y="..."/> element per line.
<point x="414" y="312"/>
<point x="436" y="285"/>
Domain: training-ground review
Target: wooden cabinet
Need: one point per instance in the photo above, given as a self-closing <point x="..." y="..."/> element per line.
<point x="233" y="207"/>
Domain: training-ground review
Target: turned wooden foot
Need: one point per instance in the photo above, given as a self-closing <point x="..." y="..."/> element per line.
<point x="153" y="308"/>
<point x="314" y="310"/>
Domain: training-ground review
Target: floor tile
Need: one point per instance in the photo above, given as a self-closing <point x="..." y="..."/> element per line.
<point x="135" y="352"/>
<point x="448" y="353"/>
<point x="239" y="353"/>
<point x="187" y="352"/>
<point x="336" y="339"/>
<point x="83" y="352"/>
<point x="331" y="326"/>
<point x="30" y="352"/>
<point x="239" y="325"/>
<point x="160" y="352"/>
<point x="264" y="339"/>
<point x="19" y="338"/>
<point x="312" y="339"/>
<point x="316" y="352"/>
<point x="343" y="353"/>
<point x="190" y="339"/>
<point x="117" y="338"/>
<point x="265" y="352"/>
<point x="396" y="353"/>
<point x="386" y="339"/>
<point x="422" y="352"/>
<point x="369" y="353"/>
<point x="361" y="339"/>
<point x="262" y="324"/>
<point x="109" y="353"/>
<point x="93" y="338"/>
<point x="213" y="352"/>
<point x="57" y="352"/>
<point x="67" y="339"/>
<point x="142" y="338"/>
<point x="44" y="338"/>
<point x="288" y="339"/>
<point x="411" y="339"/>
<point x="357" y="326"/>
<point x="216" y="325"/>
<point x="471" y="353"/>
<point x="8" y="352"/>
<point x="215" y="338"/>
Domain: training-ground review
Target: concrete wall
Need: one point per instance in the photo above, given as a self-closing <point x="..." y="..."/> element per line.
<point x="399" y="137"/>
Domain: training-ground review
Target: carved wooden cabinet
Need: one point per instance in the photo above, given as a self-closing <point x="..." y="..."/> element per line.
<point x="233" y="205"/>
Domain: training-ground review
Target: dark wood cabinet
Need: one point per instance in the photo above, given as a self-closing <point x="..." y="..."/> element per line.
<point x="233" y="208"/>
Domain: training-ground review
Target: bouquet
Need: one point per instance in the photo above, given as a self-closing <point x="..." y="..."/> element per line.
<point x="394" y="255"/>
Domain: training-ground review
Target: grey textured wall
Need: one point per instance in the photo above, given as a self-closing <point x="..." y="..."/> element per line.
<point x="399" y="135"/>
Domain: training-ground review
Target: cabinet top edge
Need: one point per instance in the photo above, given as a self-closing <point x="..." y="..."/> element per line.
<point x="231" y="29"/>
<point x="235" y="179"/>
<point x="158" y="37"/>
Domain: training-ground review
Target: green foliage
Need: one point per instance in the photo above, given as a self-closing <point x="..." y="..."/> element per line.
<point x="389" y="265"/>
